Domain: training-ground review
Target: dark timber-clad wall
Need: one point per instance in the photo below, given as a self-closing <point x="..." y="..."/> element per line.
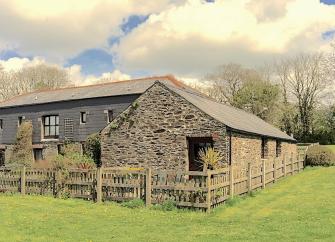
<point x="96" y="118"/>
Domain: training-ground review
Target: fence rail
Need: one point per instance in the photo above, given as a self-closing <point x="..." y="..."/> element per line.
<point x="202" y="190"/>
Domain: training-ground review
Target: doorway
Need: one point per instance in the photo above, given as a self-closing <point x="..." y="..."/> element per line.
<point x="38" y="154"/>
<point x="195" y="144"/>
<point x="2" y="157"/>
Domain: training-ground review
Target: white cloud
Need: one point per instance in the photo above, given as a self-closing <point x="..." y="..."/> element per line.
<point x="196" y="37"/>
<point x="16" y="63"/>
<point x="184" y="37"/>
<point x="113" y="76"/>
<point x="74" y="72"/>
<point x="61" y="29"/>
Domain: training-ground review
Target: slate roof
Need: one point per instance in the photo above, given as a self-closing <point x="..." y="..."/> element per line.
<point x="136" y="86"/>
<point x="232" y="117"/>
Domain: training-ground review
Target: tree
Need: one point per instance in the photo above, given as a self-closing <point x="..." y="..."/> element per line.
<point x="227" y="80"/>
<point x="324" y="125"/>
<point x="244" y="88"/>
<point x="303" y="76"/>
<point x="259" y="98"/>
<point x="30" y="79"/>
<point x="288" y="118"/>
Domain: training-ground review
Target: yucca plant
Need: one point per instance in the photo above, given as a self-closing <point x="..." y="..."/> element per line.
<point x="210" y="158"/>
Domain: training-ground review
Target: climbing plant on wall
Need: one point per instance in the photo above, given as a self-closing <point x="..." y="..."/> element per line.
<point x="23" y="147"/>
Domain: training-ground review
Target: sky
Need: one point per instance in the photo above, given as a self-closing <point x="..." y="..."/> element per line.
<point x="187" y="38"/>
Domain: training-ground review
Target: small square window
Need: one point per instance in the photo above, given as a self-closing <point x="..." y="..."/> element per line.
<point x="83" y="117"/>
<point x="20" y="120"/>
<point x="110" y="116"/>
<point x="1" y="124"/>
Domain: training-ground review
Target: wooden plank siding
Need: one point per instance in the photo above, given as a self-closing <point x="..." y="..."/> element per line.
<point x="96" y="117"/>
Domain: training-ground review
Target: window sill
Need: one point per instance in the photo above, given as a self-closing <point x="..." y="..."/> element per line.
<point x="48" y="140"/>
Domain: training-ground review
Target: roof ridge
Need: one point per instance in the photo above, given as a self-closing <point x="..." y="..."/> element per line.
<point x="166" y="77"/>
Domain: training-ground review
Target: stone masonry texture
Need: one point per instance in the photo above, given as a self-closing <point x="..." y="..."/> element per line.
<point x="153" y="132"/>
<point x="247" y="148"/>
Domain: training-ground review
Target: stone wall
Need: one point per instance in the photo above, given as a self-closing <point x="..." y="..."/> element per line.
<point x="247" y="148"/>
<point x="154" y="130"/>
<point x="49" y="149"/>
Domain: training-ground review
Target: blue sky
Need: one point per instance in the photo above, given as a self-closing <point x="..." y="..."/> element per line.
<point x="330" y="2"/>
<point x="7" y="54"/>
<point x="98" y="61"/>
<point x="182" y="37"/>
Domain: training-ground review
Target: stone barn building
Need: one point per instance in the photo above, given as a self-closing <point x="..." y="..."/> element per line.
<point x="167" y="125"/>
<point x="154" y="121"/>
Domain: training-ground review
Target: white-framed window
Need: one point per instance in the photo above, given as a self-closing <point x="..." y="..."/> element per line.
<point x="51" y="126"/>
<point x="83" y="117"/>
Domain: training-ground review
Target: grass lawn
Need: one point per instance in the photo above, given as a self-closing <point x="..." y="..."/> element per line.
<point x="332" y="147"/>
<point x="298" y="208"/>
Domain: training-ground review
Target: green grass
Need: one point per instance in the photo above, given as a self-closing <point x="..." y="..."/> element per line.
<point x="332" y="147"/>
<point x="297" y="208"/>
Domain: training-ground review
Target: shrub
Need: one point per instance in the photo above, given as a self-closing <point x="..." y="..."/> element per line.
<point x="71" y="157"/>
<point x="60" y="162"/>
<point x="23" y="147"/>
<point x="74" y="160"/>
<point x="169" y="205"/>
<point x="210" y="158"/>
<point x="135" y="203"/>
<point x="320" y="156"/>
<point x="92" y="148"/>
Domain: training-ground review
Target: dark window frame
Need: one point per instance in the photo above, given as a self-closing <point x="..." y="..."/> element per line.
<point x="47" y="125"/>
<point x="110" y="115"/>
<point x="1" y="124"/>
<point x="35" y="152"/>
<point x="20" y="120"/>
<point x="83" y="117"/>
<point x="264" y="148"/>
<point x="278" y="148"/>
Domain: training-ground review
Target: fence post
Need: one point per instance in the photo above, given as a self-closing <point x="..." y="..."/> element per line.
<point x="298" y="163"/>
<point x="249" y="177"/>
<point x="59" y="182"/>
<point x="148" y="187"/>
<point x="274" y="170"/>
<point x="263" y="173"/>
<point x="23" y="180"/>
<point x="208" y="197"/>
<point x="292" y="170"/>
<point x="231" y="181"/>
<point x="99" y="185"/>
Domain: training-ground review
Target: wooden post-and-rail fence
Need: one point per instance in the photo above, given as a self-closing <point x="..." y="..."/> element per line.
<point x="203" y="190"/>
